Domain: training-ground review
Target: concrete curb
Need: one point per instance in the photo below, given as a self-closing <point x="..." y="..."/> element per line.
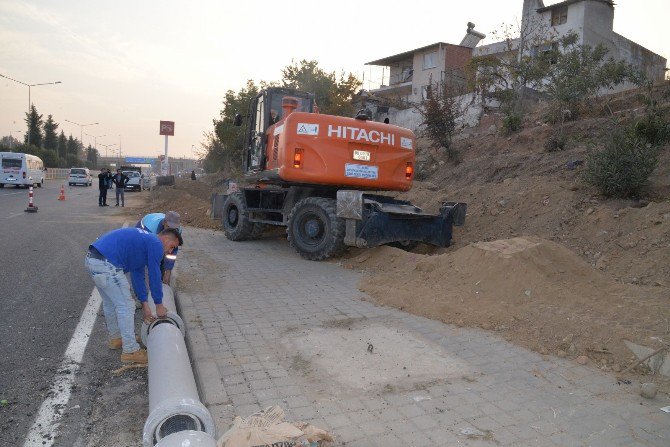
<point x="208" y="379"/>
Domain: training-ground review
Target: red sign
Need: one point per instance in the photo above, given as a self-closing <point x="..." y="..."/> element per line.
<point x="167" y="128"/>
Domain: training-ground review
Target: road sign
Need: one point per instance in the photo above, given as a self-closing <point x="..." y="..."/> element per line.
<point x="167" y="128"/>
<point x="141" y="160"/>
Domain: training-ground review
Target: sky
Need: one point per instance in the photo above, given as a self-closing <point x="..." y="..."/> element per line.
<point x="128" y="64"/>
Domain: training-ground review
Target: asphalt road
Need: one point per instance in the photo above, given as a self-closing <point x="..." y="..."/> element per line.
<point x="44" y="287"/>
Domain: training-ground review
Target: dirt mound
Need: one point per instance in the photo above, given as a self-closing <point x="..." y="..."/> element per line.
<point x="532" y="291"/>
<point x="191" y="199"/>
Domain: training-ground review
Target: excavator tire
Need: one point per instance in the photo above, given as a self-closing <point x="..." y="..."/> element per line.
<point x="314" y="230"/>
<point x="236" y="225"/>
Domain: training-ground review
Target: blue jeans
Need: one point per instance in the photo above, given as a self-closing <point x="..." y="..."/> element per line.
<point x="119" y="192"/>
<point x="117" y="303"/>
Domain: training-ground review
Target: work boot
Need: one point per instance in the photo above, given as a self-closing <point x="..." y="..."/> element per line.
<point x="139" y="356"/>
<point x="115" y="343"/>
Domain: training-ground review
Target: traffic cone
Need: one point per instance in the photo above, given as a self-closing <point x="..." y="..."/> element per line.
<point x="62" y="193"/>
<point x="31" y="207"/>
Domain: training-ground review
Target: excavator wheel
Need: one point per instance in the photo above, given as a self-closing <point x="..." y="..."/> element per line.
<point x="236" y="223"/>
<point x="314" y="230"/>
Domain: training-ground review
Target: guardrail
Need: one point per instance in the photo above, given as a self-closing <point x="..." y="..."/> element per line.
<point x="56" y="173"/>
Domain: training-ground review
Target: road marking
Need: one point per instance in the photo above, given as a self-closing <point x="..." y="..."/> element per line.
<point x="11" y="193"/>
<point x="45" y="427"/>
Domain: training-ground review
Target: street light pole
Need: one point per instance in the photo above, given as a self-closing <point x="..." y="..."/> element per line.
<point x="29" y="103"/>
<point x="81" y="129"/>
<point x="11" y="138"/>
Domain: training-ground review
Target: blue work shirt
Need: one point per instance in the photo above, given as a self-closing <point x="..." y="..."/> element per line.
<point x="153" y="223"/>
<point x="133" y="249"/>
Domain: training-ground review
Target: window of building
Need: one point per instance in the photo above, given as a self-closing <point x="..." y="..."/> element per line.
<point x="559" y="16"/>
<point x="430" y="60"/>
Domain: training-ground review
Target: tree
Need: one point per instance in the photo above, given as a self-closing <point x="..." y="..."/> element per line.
<point x="92" y="156"/>
<point x="333" y="95"/>
<point x="50" y="136"/>
<point x="9" y="142"/>
<point x="49" y="157"/>
<point x="62" y="147"/>
<point x="440" y="110"/>
<point x="72" y="152"/>
<point x="576" y="74"/>
<point x="34" y="122"/>
<point x="223" y="147"/>
<point x="505" y="75"/>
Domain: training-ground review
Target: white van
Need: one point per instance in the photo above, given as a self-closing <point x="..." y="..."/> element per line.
<point x="17" y="168"/>
<point x="80" y="176"/>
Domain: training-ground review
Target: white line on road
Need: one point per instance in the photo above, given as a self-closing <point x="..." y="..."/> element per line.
<point x="12" y="193"/>
<point x="45" y="428"/>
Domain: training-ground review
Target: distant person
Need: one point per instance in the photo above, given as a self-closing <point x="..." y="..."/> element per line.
<point x="129" y="250"/>
<point x="386" y="120"/>
<point x="120" y="179"/>
<point x="157" y="222"/>
<point x="104" y="182"/>
<point x="193" y="177"/>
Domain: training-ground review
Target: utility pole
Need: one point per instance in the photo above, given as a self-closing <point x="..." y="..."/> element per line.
<point x="29" y="103"/>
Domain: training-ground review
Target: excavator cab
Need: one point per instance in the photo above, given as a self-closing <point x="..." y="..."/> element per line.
<point x="265" y="111"/>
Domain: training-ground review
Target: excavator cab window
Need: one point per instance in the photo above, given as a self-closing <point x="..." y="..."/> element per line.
<point x="257" y="136"/>
<point x="264" y="111"/>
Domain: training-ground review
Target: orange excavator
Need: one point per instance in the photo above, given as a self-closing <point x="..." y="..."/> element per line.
<point x="317" y="175"/>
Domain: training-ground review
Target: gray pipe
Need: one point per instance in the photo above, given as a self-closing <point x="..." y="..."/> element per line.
<point x="174" y="404"/>
<point x="188" y="438"/>
<point x="172" y="315"/>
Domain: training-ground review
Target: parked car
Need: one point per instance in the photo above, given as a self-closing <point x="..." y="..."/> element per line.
<point x="80" y="176"/>
<point x="134" y="182"/>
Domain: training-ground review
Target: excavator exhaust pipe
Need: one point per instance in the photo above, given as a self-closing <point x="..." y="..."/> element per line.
<point x="174" y="404"/>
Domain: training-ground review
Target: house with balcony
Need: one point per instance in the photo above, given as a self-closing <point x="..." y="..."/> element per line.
<point x="411" y="72"/>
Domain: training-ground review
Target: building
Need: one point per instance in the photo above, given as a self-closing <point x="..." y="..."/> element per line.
<point x="592" y="21"/>
<point x="411" y="72"/>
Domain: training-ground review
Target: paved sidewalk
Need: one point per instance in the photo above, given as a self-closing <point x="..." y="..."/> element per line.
<point x="266" y="327"/>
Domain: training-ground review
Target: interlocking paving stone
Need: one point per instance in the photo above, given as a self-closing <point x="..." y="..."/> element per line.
<point x="263" y="296"/>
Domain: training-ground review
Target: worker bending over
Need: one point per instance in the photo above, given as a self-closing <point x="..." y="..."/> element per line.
<point x="129" y="250"/>
<point x="157" y="222"/>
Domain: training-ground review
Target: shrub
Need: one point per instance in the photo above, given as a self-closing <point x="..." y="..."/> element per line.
<point x="651" y="129"/>
<point x="511" y="123"/>
<point x="622" y="168"/>
<point x="555" y="143"/>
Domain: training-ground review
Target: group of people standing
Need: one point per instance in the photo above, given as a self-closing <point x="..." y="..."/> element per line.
<point x="105" y="182"/>
<point x="148" y="249"/>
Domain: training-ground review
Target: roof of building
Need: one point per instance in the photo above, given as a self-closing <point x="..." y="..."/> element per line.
<point x="400" y="56"/>
<point x="569" y="2"/>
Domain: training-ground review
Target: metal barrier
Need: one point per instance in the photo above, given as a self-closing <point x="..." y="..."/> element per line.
<point x="56" y="173"/>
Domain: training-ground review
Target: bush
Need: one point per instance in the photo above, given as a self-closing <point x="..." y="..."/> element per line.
<point x="651" y="129"/>
<point x="511" y="123"/>
<point x="623" y="167"/>
<point x="555" y="143"/>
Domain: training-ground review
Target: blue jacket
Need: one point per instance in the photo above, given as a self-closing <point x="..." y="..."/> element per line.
<point x="133" y="249"/>
<point x="153" y="223"/>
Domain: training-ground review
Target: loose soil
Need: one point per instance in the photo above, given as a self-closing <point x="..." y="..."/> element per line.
<point x="542" y="260"/>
